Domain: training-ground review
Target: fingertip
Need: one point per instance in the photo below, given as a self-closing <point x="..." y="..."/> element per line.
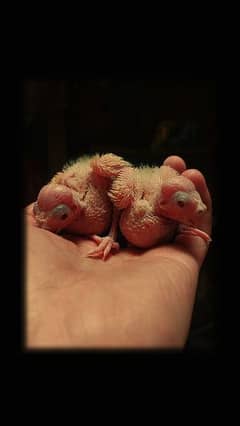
<point x="29" y="216"/>
<point x="199" y="182"/>
<point x="195" y="175"/>
<point x="29" y="208"/>
<point x="176" y="163"/>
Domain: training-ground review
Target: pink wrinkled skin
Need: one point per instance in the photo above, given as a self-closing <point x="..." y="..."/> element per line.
<point x="76" y="200"/>
<point x="154" y="201"/>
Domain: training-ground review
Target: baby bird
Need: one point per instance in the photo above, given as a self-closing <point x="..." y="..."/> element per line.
<point x="76" y="200"/>
<point x="153" y="202"/>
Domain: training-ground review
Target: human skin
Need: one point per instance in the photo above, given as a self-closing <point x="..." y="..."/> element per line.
<point x="136" y="299"/>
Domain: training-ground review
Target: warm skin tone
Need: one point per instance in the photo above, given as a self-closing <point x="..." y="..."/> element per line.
<point x="134" y="299"/>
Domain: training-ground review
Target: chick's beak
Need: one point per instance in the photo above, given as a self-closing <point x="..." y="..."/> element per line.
<point x="201" y="208"/>
<point x="39" y="216"/>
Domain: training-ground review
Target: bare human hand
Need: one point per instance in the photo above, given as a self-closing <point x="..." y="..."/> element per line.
<point x="135" y="299"/>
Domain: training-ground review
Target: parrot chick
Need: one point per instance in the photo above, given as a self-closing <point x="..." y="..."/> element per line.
<point x="76" y="200"/>
<point x="153" y="202"/>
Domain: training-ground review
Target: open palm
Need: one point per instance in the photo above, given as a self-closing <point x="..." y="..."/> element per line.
<point x="135" y="299"/>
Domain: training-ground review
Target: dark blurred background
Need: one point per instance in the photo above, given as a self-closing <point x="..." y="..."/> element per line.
<point x="144" y="120"/>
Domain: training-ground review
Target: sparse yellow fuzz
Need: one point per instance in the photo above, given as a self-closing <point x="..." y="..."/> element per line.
<point x="108" y="165"/>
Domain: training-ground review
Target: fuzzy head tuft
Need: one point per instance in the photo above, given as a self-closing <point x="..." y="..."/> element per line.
<point x="108" y="165"/>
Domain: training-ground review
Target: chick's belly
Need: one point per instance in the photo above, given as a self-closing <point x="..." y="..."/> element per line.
<point x="147" y="232"/>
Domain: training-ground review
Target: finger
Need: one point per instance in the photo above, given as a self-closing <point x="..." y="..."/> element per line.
<point x="29" y="209"/>
<point x="205" y="222"/>
<point x="28" y="213"/>
<point x="176" y="163"/>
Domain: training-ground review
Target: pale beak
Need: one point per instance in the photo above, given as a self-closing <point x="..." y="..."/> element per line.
<point x="201" y="209"/>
